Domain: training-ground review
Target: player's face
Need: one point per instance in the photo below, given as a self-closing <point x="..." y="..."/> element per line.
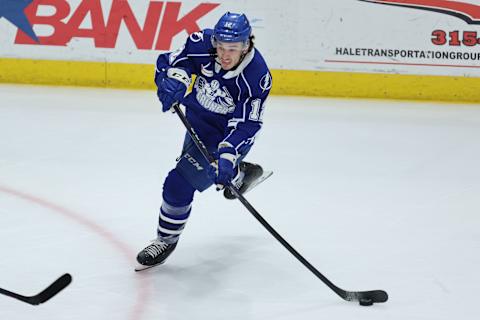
<point x="229" y="54"/>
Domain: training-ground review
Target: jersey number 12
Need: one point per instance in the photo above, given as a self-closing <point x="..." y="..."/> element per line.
<point x="257" y="111"/>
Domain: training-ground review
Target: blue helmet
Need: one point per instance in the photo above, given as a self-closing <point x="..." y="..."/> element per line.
<point x="232" y="27"/>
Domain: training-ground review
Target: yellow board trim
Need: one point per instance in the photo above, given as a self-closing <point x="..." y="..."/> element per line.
<point x="285" y="82"/>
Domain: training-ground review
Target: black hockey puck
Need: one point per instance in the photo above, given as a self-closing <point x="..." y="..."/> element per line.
<point x="365" y="301"/>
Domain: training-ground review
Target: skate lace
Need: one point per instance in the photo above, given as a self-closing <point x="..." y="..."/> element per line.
<point x="156" y="248"/>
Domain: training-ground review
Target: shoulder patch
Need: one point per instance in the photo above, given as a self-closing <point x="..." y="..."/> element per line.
<point x="266" y="82"/>
<point x="174" y="54"/>
<point x="196" y="36"/>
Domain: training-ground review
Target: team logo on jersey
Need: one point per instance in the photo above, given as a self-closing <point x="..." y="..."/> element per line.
<point x="266" y="82"/>
<point x="468" y="12"/>
<point x="205" y="71"/>
<point x="213" y="97"/>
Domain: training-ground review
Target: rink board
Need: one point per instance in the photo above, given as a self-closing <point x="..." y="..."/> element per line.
<point x="408" y="49"/>
<point x="286" y="82"/>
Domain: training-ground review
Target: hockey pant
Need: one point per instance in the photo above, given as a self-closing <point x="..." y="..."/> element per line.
<point x="190" y="174"/>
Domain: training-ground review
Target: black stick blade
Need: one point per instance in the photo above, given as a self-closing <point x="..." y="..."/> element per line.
<point x="57" y="286"/>
<point x="376" y="296"/>
<point x="52" y="290"/>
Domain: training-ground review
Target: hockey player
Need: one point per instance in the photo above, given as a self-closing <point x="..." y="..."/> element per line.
<point x="225" y="107"/>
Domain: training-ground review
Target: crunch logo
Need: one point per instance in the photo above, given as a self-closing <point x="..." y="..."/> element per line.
<point x="468" y="12"/>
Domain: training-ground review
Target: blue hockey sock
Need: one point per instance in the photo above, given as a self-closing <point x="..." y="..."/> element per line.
<point x="176" y="207"/>
<point x="171" y="221"/>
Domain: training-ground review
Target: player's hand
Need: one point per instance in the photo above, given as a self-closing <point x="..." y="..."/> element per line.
<point x="172" y="85"/>
<point x="225" y="169"/>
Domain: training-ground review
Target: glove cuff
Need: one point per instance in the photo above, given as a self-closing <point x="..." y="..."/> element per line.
<point x="228" y="152"/>
<point x="179" y="75"/>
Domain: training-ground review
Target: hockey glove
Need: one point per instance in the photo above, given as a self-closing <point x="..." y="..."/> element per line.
<point x="227" y="170"/>
<point x="172" y="85"/>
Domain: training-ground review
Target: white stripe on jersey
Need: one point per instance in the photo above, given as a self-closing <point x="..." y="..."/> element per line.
<point x="250" y="95"/>
<point x="239" y="89"/>
<point x="177" y="61"/>
<point x="199" y="55"/>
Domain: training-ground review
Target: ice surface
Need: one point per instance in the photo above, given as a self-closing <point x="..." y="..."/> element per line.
<point x="375" y="194"/>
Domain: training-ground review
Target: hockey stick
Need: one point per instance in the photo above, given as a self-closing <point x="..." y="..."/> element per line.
<point x="57" y="286"/>
<point x="364" y="297"/>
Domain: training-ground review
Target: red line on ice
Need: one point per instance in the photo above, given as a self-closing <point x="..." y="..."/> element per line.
<point x="143" y="294"/>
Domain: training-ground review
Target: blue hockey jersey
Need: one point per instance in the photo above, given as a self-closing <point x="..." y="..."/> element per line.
<point x="223" y="105"/>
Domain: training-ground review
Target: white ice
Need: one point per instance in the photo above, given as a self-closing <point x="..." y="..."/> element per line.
<point x="375" y="194"/>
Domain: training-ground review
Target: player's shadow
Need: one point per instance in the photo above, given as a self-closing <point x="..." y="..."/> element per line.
<point x="215" y="280"/>
<point x="205" y="266"/>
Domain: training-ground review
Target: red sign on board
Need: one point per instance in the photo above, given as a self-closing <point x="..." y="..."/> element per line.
<point x="105" y="29"/>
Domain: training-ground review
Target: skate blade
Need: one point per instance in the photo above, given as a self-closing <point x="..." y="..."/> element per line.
<point x="140" y="267"/>
<point x="265" y="176"/>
